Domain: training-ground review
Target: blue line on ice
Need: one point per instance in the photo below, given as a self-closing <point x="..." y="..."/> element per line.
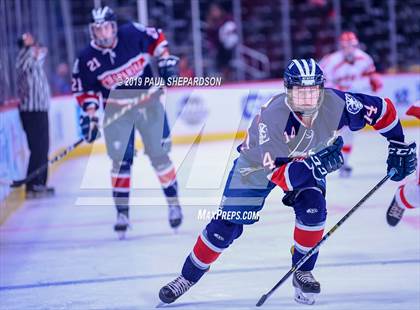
<point x="169" y="275"/>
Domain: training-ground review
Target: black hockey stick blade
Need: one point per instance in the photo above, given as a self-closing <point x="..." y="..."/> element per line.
<point x="262" y="300"/>
<point x="18" y="183"/>
<point x="34" y="174"/>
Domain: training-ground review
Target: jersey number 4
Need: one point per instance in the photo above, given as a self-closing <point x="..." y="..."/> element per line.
<point x="268" y="161"/>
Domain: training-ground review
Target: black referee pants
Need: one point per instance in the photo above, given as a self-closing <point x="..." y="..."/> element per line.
<point x="36" y="128"/>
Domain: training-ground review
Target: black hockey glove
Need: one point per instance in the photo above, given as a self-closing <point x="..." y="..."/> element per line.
<point x="168" y="67"/>
<point x="402" y="157"/>
<point x="89" y="126"/>
<point x="327" y="160"/>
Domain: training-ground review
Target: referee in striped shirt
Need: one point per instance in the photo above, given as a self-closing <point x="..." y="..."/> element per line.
<point x="34" y="95"/>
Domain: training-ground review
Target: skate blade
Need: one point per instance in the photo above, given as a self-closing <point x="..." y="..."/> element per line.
<point x="304" y="298"/>
<point x="161" y="305"/>
<point x="175" y="225"/>
<point x="121" y="235"/>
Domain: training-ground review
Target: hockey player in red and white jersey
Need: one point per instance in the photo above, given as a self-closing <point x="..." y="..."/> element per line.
<point x="115" y="55"/>
<point x="407" y="196"/>
<point x="350" y="69"/>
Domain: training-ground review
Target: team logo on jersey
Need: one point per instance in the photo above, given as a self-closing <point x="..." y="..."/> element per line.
<point x="309" y="133"/>
<point x="133" y="68"/>
<point x="353" y="105"/>
<point x="263" y="133"/>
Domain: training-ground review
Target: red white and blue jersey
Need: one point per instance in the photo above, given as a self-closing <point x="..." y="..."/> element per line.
<point x="99" y="70"/>
<point x="278" y="139"/>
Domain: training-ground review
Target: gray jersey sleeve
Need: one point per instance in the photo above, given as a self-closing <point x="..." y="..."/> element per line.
<point x="271" y="126"/>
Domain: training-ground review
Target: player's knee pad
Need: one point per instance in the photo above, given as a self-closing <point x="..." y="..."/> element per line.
<point x="222" y="233"/>
<point x="310" y="206"/>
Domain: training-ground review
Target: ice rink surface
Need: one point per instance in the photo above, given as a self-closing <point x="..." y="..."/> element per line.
<point x="61" y="253"/>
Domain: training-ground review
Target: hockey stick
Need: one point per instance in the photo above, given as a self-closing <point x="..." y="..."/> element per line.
<point x="264" y="297"/>
<point x="129" y="104"/>
<point x="35" y="173"/>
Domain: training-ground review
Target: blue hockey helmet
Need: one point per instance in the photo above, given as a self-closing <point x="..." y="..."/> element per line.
<point x="304" y="83"/>
<point x="103" y="28"/>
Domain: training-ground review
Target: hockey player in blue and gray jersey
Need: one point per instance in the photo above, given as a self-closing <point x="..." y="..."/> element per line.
<point x="292" y="144"/>
<point x="103" y="71"/>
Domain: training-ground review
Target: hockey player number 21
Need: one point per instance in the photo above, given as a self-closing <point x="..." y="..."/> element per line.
<point x="93" y="64"/>
<point x="268" y="161"/>
<point x="76" y="85"/>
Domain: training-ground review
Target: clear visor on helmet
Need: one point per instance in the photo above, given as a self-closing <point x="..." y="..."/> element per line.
<point x="305" y="99"/>
<point x="104" y="33"/>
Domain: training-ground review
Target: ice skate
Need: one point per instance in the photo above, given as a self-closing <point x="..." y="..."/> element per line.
<point x="174" y="289"/>
<point x="39" y="191"/>
<point x="175" y="216"/>
<point x="394" y="213"/>
<point x="121" y="225"/>
<point x="306" y="287"/>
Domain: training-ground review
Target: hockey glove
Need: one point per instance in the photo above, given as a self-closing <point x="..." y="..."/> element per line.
<point x="327" y="160"/>
<point x="168" y="67"/>
<point x="402" y="157"/>
<point x="89" y="127"/>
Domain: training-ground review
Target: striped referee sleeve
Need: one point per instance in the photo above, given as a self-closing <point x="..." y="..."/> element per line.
<point x="33" y="87"/>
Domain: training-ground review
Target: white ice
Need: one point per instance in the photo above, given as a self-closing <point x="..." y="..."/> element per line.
<point x="61" y="253"/>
